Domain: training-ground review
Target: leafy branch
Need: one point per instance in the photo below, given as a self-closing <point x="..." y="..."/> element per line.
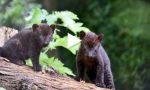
<point x="68" y="21"/>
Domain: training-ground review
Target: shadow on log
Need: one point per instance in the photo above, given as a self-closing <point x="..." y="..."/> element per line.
<point x="14" y="77"/>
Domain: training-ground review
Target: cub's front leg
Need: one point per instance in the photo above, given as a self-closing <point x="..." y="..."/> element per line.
<point x="35" y="61"/>
<point x="99" y="80"/>
<point x="80" y="70"/>
<point x="108" y="78"/>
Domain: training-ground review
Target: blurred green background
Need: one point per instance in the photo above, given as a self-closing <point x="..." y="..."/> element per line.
<point x="126" y="28"/>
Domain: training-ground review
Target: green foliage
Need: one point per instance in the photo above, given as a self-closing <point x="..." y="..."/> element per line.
<point x="47" y="62"/>
<point x="132" y="22"/>
<point x="13" y="12"/>
<point x="68" y="21"/>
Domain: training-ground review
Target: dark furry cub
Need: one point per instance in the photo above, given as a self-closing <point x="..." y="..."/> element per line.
<point x="92" y="61"/>
<point x="28" y="44"/>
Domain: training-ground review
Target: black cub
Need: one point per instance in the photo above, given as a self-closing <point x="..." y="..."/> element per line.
<point x="28" y="44"/>
<point x="93" y="61"/>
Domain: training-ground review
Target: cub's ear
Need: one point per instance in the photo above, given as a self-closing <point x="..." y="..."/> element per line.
<point x="52" y="27"/>
<point x="100" y="36"/>
<point x="82" y="34"/>
<point x="35" y="27"/>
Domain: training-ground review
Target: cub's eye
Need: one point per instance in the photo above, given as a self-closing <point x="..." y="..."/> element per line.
<point x="95" y="50"/>
<point x="89" y="45"/>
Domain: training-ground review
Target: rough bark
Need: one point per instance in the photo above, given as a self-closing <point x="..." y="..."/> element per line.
<point x="6" y="33"/>
<point x="14" y="77"/>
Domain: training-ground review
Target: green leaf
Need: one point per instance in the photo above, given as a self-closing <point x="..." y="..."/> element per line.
<point x="29" y="63"/>
<point x="62" y="42"/>
<point x="59" y="66"/>
<point x="36" y="16"/>
<point x="74" y="48"/>
<point x="68" y="71"/>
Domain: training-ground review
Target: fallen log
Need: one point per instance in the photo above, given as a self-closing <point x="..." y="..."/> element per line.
<point x="14" y="77"/>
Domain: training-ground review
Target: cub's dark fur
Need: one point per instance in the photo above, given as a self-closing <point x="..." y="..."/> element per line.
<point x="28" y="44"/>
<point x="93" y="61"/>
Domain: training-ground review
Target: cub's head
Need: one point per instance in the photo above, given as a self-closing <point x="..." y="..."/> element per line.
<point x="90" y="42"/>
<point x="43" y="32"/>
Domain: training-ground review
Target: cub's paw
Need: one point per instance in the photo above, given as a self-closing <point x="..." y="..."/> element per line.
<point x="37" y="68"/>
<point x="110" y="87"/>
<point x="77" y="78"/>
<point x="100" y="85"/>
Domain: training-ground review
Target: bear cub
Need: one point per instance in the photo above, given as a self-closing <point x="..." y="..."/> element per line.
<point x="92" y="61"/>
<point x="28" y="43"/>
